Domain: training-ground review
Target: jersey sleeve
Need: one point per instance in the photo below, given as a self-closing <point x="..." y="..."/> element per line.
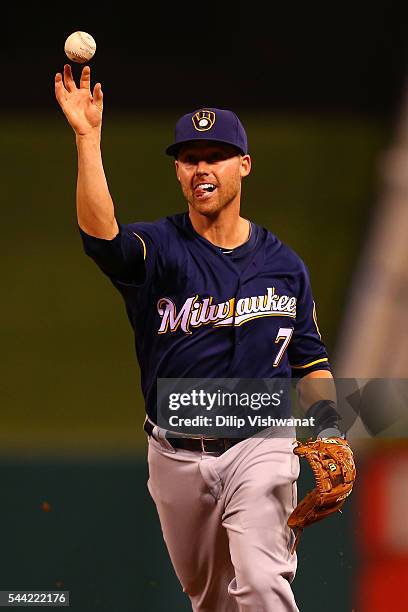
<point x="306" y="351"/>
<point x="130" y="256"/>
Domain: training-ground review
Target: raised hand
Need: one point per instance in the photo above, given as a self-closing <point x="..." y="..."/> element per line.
<point x="82" y="108"/>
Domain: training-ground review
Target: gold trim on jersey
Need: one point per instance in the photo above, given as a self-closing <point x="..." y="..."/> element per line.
<point x="315" y="320"/>
<point x="143" y="243"/>
<point x="308" y="365"/>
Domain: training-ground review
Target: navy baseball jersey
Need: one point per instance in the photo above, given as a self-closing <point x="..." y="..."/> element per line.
<point x="199" y="311"/>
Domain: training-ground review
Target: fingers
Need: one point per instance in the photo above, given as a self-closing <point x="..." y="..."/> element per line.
<point x="68" y="79"/>
<point x="98" y="95"/>
<point x="60" y="91"/>
<point x="85" y="82"/>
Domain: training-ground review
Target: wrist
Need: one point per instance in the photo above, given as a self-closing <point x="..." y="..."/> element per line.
<point x="324" y="418"/>
<point x="91" y="138"/>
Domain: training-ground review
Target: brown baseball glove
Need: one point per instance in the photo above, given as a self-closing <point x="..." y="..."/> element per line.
<point x="332" y="462"/>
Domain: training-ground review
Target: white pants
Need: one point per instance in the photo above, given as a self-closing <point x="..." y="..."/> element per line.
<point x="224" y="522"/>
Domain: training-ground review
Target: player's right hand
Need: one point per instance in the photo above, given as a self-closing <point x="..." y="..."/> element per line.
<point x="82" y="108"/>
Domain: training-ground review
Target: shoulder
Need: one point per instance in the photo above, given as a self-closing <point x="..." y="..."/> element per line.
<point x="282" y="255"/>
<point x="159" y="231"/>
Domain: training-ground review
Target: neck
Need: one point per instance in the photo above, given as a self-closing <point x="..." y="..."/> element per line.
<point x="227" y="229"/>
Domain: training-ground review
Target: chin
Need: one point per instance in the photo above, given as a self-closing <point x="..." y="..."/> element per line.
<point x="206" y="208"/>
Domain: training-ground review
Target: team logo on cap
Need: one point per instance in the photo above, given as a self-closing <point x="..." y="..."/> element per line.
<point x="203" y="120"/>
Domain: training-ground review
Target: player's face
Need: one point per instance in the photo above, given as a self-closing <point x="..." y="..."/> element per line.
<point x="210" y="175"/>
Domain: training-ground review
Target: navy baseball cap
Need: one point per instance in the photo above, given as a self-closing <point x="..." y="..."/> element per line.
<point x="220" y="125"/>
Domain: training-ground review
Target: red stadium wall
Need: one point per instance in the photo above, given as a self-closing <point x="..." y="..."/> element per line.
<point x="382" y="510"/>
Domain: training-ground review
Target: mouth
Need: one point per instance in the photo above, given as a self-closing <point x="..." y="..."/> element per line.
<point x="204" y="190"/>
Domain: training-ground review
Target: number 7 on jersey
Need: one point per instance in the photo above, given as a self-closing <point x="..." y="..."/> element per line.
<point x="285" y="334"/>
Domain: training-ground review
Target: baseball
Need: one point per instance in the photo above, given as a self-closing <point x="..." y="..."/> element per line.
<point x="80" y="47"/>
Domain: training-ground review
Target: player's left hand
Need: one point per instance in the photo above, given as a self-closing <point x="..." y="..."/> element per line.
<point x="332" y="462"/>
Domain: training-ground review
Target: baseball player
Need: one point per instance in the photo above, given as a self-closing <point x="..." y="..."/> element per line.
<point x="209" y="294"/>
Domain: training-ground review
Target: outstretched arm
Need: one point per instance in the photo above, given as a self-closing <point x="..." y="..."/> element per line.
<point x="83" y="110"/>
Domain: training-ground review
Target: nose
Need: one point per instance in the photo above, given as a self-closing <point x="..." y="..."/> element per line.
<point x="202" y="167"/>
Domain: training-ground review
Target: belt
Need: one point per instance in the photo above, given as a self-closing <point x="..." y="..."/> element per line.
<point x="196" y="443"/>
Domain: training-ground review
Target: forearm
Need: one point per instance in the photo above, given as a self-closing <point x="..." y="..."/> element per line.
<point x="95" y="209"/>
<point x="314" y="387"/>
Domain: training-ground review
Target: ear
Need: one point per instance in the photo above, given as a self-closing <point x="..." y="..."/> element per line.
<point x="245" y="167"/>
<point x="176" y="165"/>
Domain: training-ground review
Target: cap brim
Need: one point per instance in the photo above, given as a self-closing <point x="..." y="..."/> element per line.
<point x="174" y="148"/>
